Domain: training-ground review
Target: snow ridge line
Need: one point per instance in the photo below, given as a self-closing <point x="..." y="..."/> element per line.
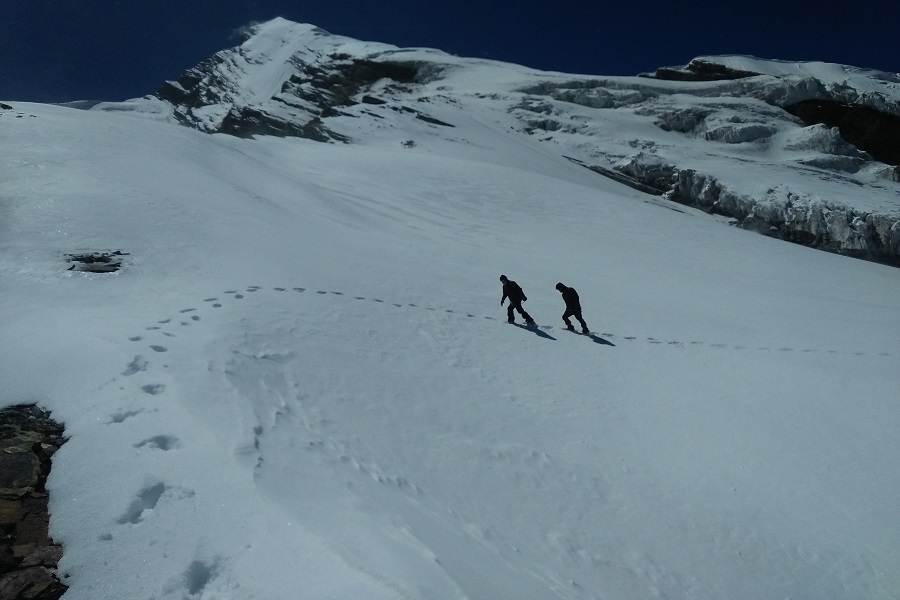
<point x="186" y="318"/>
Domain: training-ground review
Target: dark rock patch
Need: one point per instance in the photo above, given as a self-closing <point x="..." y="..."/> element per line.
<point x="870" y="130"/>
<point x="247" y="122"/>
<point x="28" y="557"/>
<point x="699" y="70"/>
<point x="432" y="120"/>
<point x="315" y="92"/>
<point x="96" y="262"/>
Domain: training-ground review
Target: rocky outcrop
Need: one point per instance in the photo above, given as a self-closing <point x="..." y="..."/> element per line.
<point x="314" y="92"/>
<point x="699" y="70"/>
<point x="870" y="130"/>
<point x="28" y="557"/>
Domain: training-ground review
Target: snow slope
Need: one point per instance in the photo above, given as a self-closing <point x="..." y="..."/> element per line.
<point x="730" y="147"/>
<point x="301" y="384"/>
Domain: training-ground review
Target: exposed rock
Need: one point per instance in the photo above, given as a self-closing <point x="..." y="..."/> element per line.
<point x="204" y="97"/>
<point x="32" y="583"/>
<point x="699" y="70"/>
<point x="685" y="120"/>
<point x="247" y="122"/>
<point x="19" y="471"/>
<point x="28" y="557"/>
<point x="96" y="262"/>
<point x="866" y="128"/>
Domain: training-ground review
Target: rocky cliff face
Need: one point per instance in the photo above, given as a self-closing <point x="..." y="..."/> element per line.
<point x="28" y="557"/>
<point x="807" y="152"/>
<point x="310" y="94"/>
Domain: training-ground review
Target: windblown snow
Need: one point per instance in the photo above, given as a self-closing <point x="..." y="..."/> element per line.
<point x="301" y="383"/>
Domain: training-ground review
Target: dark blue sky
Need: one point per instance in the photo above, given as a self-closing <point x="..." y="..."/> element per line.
<point x="59" y="50"/>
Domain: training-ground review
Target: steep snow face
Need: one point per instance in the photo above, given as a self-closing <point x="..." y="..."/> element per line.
<point x="727" y="146"/>
<point x="300" y="383"/>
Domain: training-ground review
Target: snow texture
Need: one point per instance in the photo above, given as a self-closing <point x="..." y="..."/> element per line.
<point x="300" y="383"/>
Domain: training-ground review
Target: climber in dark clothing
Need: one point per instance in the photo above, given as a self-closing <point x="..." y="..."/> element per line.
<point x="516" y="296"/>
<point x="573" y="307"/>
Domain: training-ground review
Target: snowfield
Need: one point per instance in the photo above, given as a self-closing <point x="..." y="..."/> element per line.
<point x="301" y="384"/>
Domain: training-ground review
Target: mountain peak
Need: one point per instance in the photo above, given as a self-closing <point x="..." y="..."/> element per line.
<point x="667" y="133"/>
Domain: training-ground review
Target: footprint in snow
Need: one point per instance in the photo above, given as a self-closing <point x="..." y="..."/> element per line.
<point x="143" y="501"/>
<point x="154" y="389"/>
<point x="159" y="348"/>
<point x="122" y="416"/>
<point x="161" y="442"/>
<point x="135" y="366"/>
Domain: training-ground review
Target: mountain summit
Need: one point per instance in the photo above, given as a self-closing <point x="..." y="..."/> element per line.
<point x="815" y="143"/>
